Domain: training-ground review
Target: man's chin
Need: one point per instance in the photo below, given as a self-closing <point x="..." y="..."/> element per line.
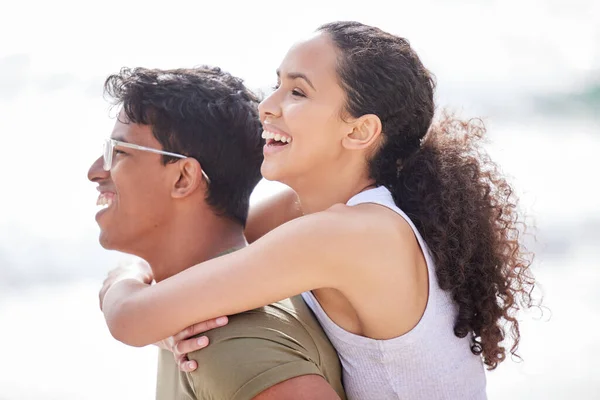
<point x="111" y="243"/>
<point x="106" y="241"/>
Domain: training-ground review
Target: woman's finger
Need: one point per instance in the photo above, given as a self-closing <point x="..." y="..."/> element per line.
<point x="188" y="366"/>
<point x="200" y="327"/>
<point x="185" y="365"/>
<point x="184" y="347"/>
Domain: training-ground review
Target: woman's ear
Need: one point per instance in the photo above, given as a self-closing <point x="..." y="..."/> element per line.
<point x="366" y="130"/>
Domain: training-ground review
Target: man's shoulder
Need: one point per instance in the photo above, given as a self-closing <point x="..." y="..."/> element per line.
<point x="287" y="316"/>
<point x="262" y="347"/>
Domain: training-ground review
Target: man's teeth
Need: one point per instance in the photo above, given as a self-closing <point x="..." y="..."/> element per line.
<point x="104" y="201"/>
<point x="276" y="136"/>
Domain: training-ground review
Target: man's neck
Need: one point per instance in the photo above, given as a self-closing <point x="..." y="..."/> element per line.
<point x="189" y="243"/>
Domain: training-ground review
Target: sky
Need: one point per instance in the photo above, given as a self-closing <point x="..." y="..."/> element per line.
<point x="533" y="41"/>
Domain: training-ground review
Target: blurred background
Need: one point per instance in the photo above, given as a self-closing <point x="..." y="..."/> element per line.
<point x="530" y="69"/>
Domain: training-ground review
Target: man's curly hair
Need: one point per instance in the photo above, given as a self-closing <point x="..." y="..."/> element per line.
<point x="204" y="113"/>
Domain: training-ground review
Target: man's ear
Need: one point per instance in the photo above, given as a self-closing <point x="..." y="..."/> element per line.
<point x="188" y="177"/>
<point x="365" y="131"/>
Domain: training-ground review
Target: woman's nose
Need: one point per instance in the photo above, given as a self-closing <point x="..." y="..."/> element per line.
<point x="270" y="107"/>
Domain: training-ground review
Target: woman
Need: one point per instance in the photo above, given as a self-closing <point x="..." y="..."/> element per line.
<point x="408" y="250"/>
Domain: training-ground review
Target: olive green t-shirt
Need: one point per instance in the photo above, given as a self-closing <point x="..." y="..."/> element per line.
<point x="256" y="350"/>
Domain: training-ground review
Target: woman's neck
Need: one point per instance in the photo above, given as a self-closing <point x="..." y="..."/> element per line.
<point x="320" y="195"/>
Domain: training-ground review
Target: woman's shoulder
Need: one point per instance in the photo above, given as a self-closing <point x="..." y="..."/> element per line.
<point x="353" y="237"/>
<point x="344" y="236"/>
<point x="373" y="221"/>
<point x="354" y="222"/>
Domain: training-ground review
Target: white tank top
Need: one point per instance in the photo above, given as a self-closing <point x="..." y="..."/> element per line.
<point x="429" y="362"/>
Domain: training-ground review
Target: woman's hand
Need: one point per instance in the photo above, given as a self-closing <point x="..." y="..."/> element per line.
<point x="138" y="270"/>
<point x="184" y="342"/>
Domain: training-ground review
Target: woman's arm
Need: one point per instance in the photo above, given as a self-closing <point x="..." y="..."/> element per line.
<point x="269" y="213"/>
<point x="318" y="250"/>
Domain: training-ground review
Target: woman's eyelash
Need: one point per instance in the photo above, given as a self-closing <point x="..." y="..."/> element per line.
<point x="295" y="92"/>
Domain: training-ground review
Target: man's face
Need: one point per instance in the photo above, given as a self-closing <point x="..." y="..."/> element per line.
<point x="135" y="194"/>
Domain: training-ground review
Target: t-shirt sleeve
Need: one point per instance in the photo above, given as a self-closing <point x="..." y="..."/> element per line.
<point x="245" y="360"/>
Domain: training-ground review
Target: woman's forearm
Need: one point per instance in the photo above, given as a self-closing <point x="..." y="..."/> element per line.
<point x="122" y="308"/>
<point x="279" y="265"/>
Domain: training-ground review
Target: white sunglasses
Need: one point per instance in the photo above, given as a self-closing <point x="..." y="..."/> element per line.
<point x="109" y="150"/>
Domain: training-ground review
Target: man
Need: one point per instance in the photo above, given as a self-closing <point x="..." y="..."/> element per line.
<point x="175" y="180"/>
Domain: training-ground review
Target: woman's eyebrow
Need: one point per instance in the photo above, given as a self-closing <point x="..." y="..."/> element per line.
<point x="297" y="75"/>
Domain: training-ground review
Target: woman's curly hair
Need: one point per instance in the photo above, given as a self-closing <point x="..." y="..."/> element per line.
<point x="443" y="180"/>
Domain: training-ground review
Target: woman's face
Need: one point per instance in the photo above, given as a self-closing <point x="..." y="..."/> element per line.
<point x="302" y="117"/>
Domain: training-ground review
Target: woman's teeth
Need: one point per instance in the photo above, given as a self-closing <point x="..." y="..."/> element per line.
<point x="276" y="136"/>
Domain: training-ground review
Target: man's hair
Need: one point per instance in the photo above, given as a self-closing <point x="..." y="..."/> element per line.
<point x="204" y="113"/>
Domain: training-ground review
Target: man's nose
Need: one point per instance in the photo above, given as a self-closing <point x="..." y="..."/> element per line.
<point x="96" y="172"/>
<point x="270" y="106"/>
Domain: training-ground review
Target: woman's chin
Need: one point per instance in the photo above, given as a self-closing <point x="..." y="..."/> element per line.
<point x="270" y="171"/>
